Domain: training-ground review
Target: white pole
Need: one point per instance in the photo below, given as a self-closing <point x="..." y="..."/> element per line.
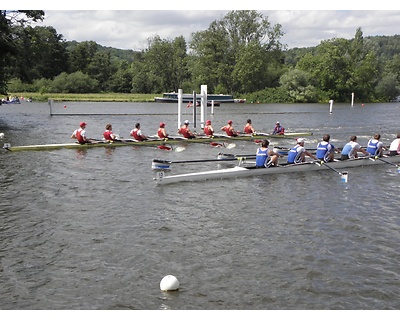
<point x="203" y="116"/>
<point x="352" y="99"/>
<point x="194" y="104"/>
<point x="331" y="105"/>
<point x="212" y="106"/>
<point x="180" y="97"/>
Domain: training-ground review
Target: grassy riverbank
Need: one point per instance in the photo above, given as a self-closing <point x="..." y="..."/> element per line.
<point x="95" y="97"/>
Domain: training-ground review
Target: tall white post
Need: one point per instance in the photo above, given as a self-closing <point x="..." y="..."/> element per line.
<point x="180" y="98"/>
<point x="194" y="105"/>
<point x="203" y="115"/>
<point x="330" y="106"/>
<point x="352" y="99"/>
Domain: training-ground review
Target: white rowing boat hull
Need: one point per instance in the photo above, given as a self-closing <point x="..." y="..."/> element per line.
<point x="239" y="172"/>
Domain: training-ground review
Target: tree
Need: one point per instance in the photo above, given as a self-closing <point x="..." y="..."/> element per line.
<point x="298" y="85"/>
<point x="8" y="19"/>
<point x="222" y="52"/>
<point x="81" y="56"/>
<point x="41" y="54"/>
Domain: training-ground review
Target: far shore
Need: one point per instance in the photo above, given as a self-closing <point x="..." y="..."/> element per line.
<point x="89" y="97"/>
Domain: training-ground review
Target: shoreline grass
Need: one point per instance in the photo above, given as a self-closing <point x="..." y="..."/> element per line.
<point x="89" y="97"/>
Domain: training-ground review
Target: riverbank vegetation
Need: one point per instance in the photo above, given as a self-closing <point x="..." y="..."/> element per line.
<point x="95" y="97"/>
<point x="240" y="54"/>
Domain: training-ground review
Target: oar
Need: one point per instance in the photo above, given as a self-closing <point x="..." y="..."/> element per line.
<point x="222" y="156"/>
<point x="165" y="164"/>
<point x="388" y="162"/>
<point x="343" y="174"/>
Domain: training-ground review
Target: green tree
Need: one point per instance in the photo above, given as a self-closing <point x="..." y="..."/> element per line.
<point x="298" y="85"/>
<point x="8" y="49"/>
<point x="82" y="55"/>
<point x="222" y="52"/>
<point x="329" y="67"/>
<point x="41" y="54"/>
<point x="76" y="82"/>
<point x="101" y="69"/>
<point x="121" y="80"/>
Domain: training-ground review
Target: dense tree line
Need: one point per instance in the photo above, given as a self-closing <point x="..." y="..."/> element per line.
<point x="240" y="54"/>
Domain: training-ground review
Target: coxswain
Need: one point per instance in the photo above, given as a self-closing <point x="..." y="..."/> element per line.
<point x="278" y="129"/>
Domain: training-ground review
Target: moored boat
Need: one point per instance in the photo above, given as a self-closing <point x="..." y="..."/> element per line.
<point x="249" y="171"/>
<point x="187" y="97"/>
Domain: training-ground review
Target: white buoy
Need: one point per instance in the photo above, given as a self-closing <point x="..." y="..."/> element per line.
<point x="169" y="283"/>
<point x="1" y="135"/>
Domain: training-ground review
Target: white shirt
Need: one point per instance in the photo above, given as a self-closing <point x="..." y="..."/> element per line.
<point x="395" y="145"/>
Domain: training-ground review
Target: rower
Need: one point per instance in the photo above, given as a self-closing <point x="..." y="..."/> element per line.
<point x="298" y="153"/>
<point x="80" y="134"/>
<point x="265" y="157"/>
<point x="137" y="133"/>
<point x="208" y="129"/>
<point x="161" y="131"/>
<point x="185" y="131"/>
<point x="248" y="128"/>
<point x="229" y="130"/>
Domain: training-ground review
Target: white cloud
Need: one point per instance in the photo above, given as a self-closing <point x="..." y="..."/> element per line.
<point x="129" y="29"/>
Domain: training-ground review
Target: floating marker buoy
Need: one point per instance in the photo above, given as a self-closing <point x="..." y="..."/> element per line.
<point x="169" y="283"/>
<point x="65" y="107"/>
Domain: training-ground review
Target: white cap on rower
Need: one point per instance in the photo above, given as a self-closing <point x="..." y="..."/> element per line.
<point x="300" y="140"/>
<point x="186" y="122"/>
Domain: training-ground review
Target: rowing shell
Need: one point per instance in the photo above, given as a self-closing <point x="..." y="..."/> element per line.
<point x="152" y="142"/>
<point x="241" y="171"/>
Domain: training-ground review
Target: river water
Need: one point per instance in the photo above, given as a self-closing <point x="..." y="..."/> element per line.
<point x="90" y="230"/>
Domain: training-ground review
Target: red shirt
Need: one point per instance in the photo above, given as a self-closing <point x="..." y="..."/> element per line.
<point x="208" y="130"/>
<point x="161" y="133"/>
<point x="185" y="132"/>
<point x="107" y="135"/>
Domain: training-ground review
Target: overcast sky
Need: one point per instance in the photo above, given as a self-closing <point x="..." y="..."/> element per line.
<point x="124" y="26"/>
